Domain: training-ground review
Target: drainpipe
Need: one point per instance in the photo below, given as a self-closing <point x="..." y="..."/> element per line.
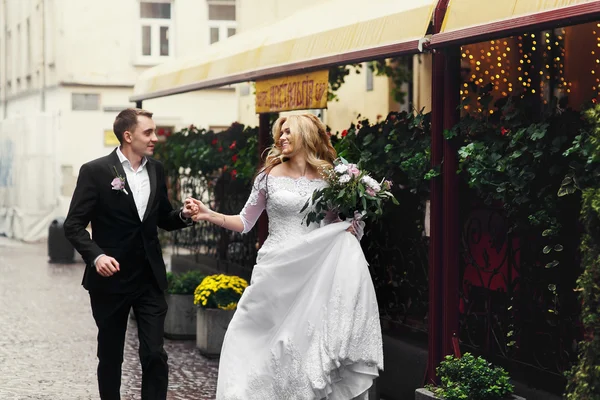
<point x="4" y="27"/>
<point x="43" y="90"/>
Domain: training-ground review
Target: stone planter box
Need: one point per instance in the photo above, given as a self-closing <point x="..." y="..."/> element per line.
<point x="424" y="394"/>
<point x="180" y="322"/>
<point x="211" y="325"/>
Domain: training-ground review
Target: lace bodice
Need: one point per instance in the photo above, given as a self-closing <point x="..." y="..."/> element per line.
<point x="283" y="198"/>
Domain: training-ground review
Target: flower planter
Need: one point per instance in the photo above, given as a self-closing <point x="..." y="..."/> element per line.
<point x="424" y="394"/>
<point x="180" y="322"/>
<point x="211" y="325"/>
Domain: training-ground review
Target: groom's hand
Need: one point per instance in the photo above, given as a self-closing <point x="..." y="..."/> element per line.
<point x="189" y="208"/>
<point x="107" y="266"/>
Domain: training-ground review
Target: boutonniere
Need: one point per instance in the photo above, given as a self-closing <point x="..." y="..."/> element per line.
<point x="118" y="183"/>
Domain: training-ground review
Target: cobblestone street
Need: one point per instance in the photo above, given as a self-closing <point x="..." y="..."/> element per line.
<point x="48" y="336"/>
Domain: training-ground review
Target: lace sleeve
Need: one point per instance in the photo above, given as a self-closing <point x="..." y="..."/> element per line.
<point x="255" y="204"/>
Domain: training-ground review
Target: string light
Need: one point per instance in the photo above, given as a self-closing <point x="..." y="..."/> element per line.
<point x="532" y="63"/>
<point x="596" y="87"/>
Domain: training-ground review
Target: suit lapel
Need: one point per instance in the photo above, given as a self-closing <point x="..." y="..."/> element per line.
<point x="150" y="167"/>
<point x="119" y="167"/>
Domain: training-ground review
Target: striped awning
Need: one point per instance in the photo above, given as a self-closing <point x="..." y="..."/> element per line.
<point x="468" y="21"/>
<point x="331" y="33"/>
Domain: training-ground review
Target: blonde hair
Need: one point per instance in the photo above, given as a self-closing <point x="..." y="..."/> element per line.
<point x="309" y="133"/>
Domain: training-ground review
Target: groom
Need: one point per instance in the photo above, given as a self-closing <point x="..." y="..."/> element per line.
<point x="124" y="196"/>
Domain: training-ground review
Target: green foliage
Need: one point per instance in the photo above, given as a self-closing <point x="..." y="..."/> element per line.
<point x="206" y="154"/>
<point x="184" y="283"/>
<point x="584" y="377"/>
<point x="397" y="148"/>
<point x="515" y="156"/>
<point x="470" y="378"/>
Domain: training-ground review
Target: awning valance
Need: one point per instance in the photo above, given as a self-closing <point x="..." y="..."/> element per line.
<point x="469" y="21"/>
<point x="331" y="33"/>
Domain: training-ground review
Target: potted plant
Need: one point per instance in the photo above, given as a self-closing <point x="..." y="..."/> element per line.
<point x="216" y="297"/>
<point x="180" y="322"/>
<point x="469" y="378"/>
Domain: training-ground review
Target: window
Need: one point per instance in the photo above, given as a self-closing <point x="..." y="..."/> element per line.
<point x="85" y="101"/>
<point x="221" y="20"/>
<point x="156" y="30"/>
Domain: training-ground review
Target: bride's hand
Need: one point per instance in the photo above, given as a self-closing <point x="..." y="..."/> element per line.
<point x="200" y="212"/>
<point x="357" y="228"/>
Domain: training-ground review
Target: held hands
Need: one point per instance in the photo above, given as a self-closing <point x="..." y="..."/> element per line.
<point x="196" y="210"/>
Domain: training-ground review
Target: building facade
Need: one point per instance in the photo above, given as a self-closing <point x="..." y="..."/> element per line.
<point x="75" y="62"/>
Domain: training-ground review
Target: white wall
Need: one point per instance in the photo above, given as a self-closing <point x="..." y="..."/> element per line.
<point x="107" y="32"/>
<point x="94" y="47"/>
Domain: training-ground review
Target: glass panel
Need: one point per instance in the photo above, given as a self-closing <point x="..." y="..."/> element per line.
<point x="230" y="32"/>
<point x="146" y="41"/>
<point x="221" y="12"/>
<point x="155" y="10"/>
<point x="164" y="40"/>
<point x="214" y="35"/>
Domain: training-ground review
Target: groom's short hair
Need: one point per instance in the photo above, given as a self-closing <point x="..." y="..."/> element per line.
<point x="127" y="121"/>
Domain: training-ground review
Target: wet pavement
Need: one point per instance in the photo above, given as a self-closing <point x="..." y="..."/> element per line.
<point x="48" y="336"/>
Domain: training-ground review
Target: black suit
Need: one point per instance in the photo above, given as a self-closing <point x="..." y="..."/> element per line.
<point x="118" y="232"/>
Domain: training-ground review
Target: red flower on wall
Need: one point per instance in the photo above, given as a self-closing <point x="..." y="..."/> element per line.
<point x="234" y="158"/>
<point x="233" y="174"/>
<point x="232" y="145"/>
<point x="344" y="133"/>
<point x="214" y="142"/>
<point x="220" y="149"/>
<point x="504" y="131"/>
<point x="160" y="132"/>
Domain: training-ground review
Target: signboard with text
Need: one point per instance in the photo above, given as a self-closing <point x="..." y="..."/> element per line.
<point x="298" y="92"/>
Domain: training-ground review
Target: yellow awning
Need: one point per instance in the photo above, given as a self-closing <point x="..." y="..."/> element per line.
<point x="330" y="33"/>
<point x="470" y="20"/>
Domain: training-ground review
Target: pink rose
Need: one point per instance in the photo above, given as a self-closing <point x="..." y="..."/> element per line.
<point x="370" y="192"/>
<point x="117" y="184"/>
<point x="353" y="170"/>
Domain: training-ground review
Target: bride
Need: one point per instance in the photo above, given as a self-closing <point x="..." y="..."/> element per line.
<point x="307" y="327"/>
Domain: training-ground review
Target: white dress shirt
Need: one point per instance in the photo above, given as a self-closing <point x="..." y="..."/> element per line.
<point x="139" y="182"/>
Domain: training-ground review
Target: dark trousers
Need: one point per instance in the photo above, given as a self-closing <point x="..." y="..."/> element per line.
<point x="111" y="312"/>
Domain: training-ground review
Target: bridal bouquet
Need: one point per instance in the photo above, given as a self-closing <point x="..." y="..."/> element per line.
<point x="351" y="193"/>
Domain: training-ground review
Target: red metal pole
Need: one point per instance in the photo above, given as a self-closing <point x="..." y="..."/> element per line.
<point x="451" y="220"/>
<point x="263" y="140"/>
<point x="436" y="240"/>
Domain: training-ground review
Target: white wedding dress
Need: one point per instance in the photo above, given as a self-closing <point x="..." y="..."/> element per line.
<point x="307" y="327"/>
